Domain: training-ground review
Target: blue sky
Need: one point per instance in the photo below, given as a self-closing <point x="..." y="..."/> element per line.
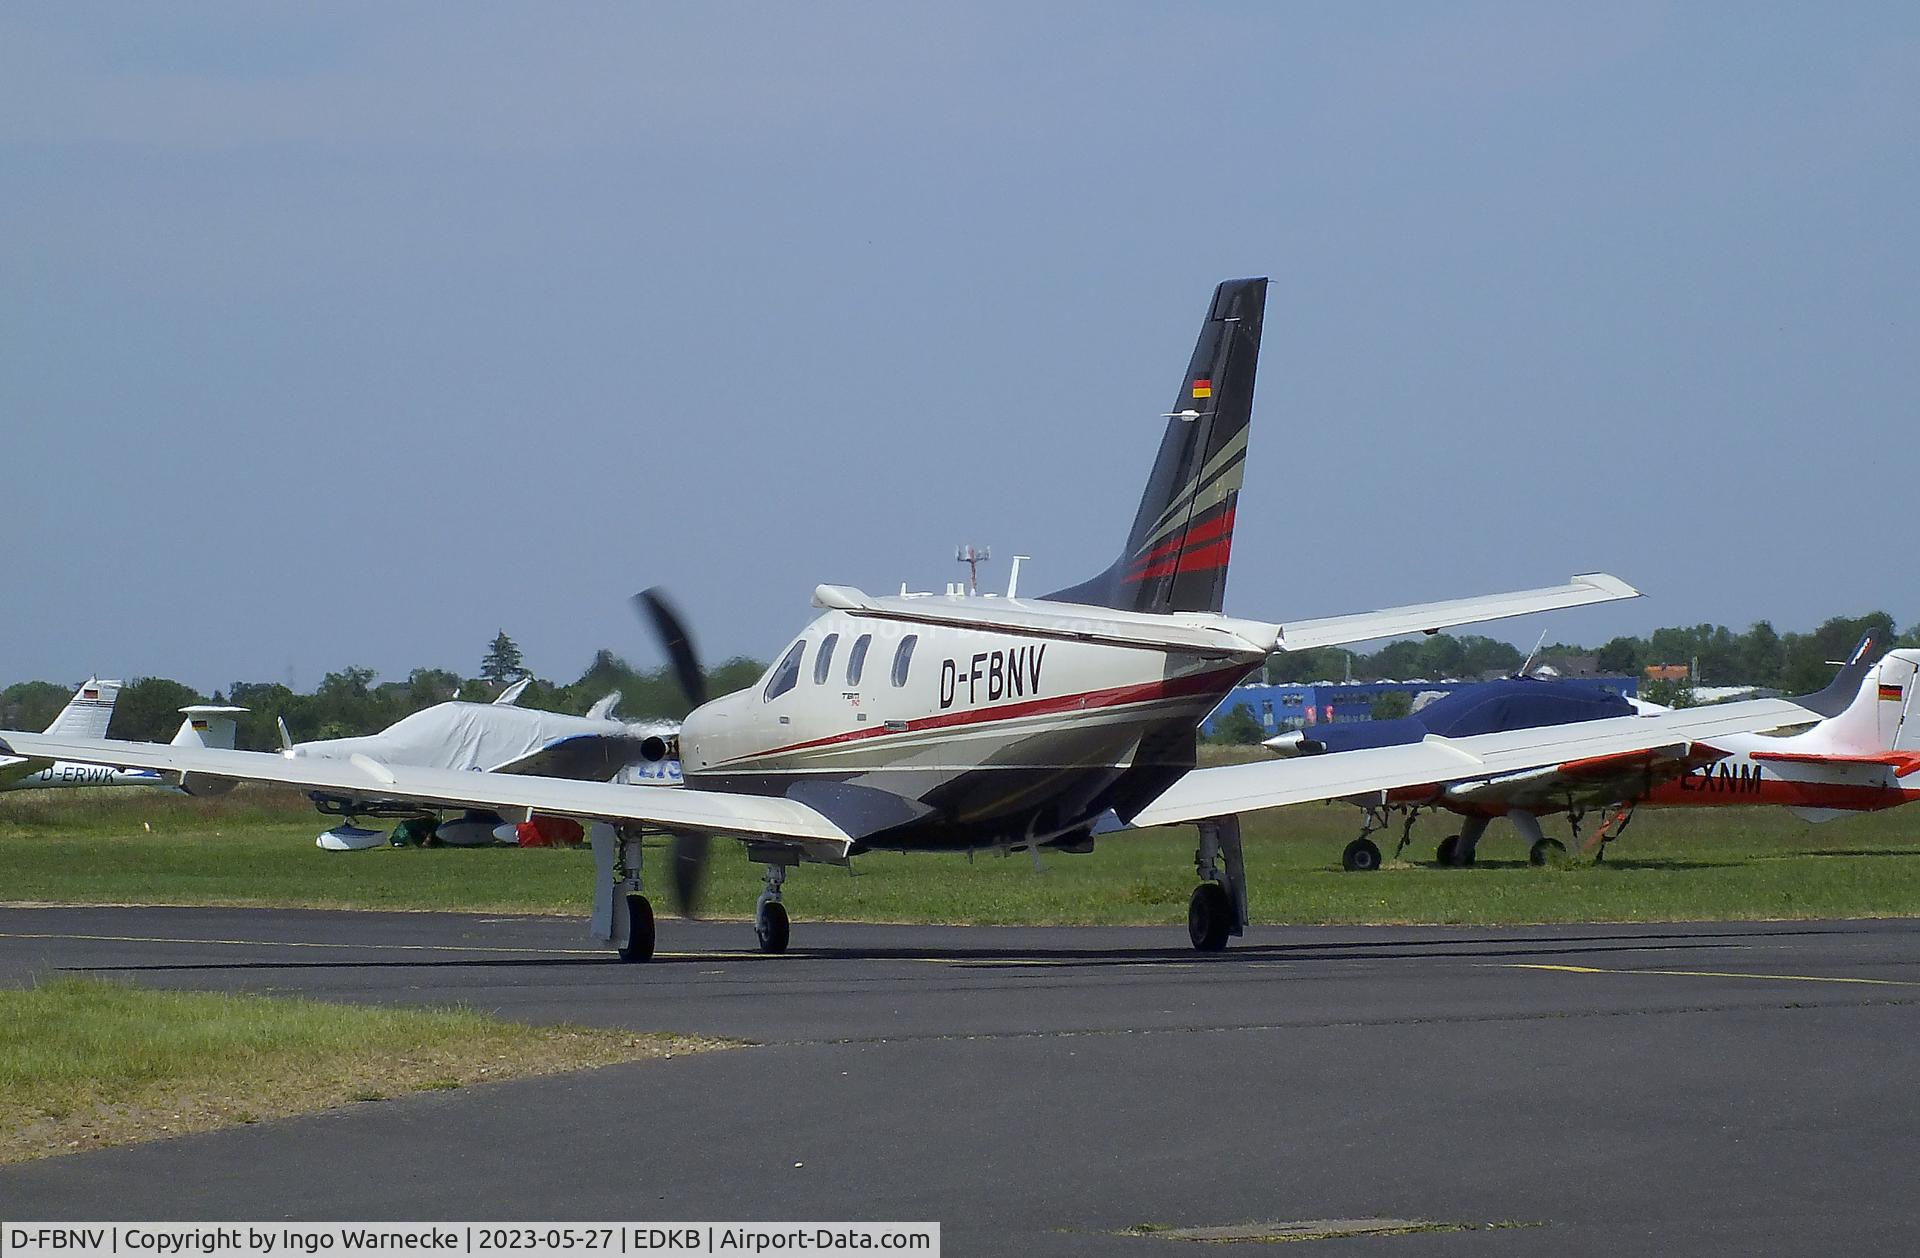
<point x="347" y="334"/>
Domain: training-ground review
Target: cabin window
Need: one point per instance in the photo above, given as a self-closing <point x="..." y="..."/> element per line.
<point x="824" y="660"/>
<point x="786" y="672"/>
<point x="857" y="659"/>
<point x="903" y="658"/>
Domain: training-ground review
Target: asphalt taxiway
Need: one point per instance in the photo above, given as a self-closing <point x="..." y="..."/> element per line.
<point x="1717" y="1088"/>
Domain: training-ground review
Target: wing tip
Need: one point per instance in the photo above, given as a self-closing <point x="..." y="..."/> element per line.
<point x="1607" y="583"/>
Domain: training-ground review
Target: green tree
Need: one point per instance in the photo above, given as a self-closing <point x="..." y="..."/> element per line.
<point x="1810" y="657"/>
<point x="502" y="663"/>
<point x="267" y="703"/>
<point x="149" y="710"/>
<point x="1668" y="692"/>
<point x="1626" y="656"/>
<point x="1240" y="726"/>
<point x="32" y="705"/>
<point x="428" y="686"/>
<point x="1763" y="655"/>
<point x="1392" y="705"/>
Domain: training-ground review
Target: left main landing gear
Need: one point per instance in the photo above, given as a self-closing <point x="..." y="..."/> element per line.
<point x="1218" y="909"/>
<point x="1363" y="854"/>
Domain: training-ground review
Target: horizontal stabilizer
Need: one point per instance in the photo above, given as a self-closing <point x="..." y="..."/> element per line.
<point x="1393" y="622"/>
<point x="1903" y="763"/>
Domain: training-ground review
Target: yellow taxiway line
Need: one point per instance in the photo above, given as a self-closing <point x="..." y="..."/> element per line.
<point x="1782" y="978"/>
<point x="367" y="947"/>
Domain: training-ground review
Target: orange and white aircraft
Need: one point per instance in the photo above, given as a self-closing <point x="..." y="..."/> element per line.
<point x="965" y="722"/>
<point x="1863" y="757"/>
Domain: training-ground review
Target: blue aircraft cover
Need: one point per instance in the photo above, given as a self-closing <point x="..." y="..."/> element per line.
<point x="1515" y="703"/>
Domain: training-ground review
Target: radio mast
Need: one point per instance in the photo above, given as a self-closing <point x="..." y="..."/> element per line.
<point x="973" y="557"/>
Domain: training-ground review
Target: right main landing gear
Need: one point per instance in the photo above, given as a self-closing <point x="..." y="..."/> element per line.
<point x="1218" y="909"/>
<point x="632" y="901"/>
<point x="1458" y="849"/>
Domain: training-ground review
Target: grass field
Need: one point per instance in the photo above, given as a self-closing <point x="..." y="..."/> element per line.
<point x="256" y="848"/>
<point x="85" y="1064"/>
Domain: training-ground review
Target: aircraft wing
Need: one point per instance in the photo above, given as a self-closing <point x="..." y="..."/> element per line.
<point x="1269" y="784"/>
<point x="710" y="812"/>
<point x="1593" y="781"/>
<point x="1392" y="622"/>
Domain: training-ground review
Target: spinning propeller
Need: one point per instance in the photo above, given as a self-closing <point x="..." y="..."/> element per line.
<point x="690" y="851"/>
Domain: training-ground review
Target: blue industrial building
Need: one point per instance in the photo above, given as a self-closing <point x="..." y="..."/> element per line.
<point x="1297" y="705"/>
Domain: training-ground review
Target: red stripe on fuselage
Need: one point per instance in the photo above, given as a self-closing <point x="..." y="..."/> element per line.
<point x="1145" y="692"/>
<point x="1694" y="791"/>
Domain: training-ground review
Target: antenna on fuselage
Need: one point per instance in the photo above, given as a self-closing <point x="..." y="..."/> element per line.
<point x="1526" y="665"/>
<point x="1013" y="577"/>
<point x="973" y="557"/>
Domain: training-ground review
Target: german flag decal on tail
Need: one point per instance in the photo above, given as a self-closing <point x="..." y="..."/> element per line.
<point x="1891" y="694"/>
<point x="1202" y="388"/>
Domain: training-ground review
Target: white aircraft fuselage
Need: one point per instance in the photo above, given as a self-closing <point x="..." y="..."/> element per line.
<point x="983" y="737"/>
<point x="66" y="773"/>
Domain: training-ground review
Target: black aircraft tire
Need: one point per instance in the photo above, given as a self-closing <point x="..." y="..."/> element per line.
<point x="1209" y="917"/>
<point x="1448" y="846"/>
<point x="639" y="945"/>
<point x="770" y="927"/>
<point x="1547" y="852"/>
<point x="1361" y="856"/>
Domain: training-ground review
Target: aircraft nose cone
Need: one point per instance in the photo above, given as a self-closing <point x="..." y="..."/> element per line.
<point x="698" y="738"/>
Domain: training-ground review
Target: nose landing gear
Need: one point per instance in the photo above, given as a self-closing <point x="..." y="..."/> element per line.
<point x="770" y="925"/>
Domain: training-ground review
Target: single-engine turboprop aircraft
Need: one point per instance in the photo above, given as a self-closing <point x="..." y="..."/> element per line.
<point x="1864" y="756"/>
<point x="963" y="722"/>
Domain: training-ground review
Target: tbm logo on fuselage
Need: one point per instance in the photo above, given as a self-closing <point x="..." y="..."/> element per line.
<point x="997" y="675"/>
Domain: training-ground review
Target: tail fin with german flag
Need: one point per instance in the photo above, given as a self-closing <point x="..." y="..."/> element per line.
<point x="1175" y="558"/>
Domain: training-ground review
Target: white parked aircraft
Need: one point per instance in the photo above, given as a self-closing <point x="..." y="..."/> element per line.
<point x="496" y="737"/>
<point x="87" y="715"/>
<point x="962" y="722"/>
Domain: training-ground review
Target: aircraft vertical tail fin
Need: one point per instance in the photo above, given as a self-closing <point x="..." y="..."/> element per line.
<point x="1900" y="672"/>
<point x="89" y="712"/>
<point x="207" y="725"/>
<point x="1863" y="709"/>
<point x="1175" y="559"/>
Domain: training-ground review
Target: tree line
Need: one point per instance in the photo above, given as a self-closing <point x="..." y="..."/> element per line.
<point x="354" y="701"/>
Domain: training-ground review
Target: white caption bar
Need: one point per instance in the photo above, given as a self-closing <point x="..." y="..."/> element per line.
<point x="582" y="1240"/>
